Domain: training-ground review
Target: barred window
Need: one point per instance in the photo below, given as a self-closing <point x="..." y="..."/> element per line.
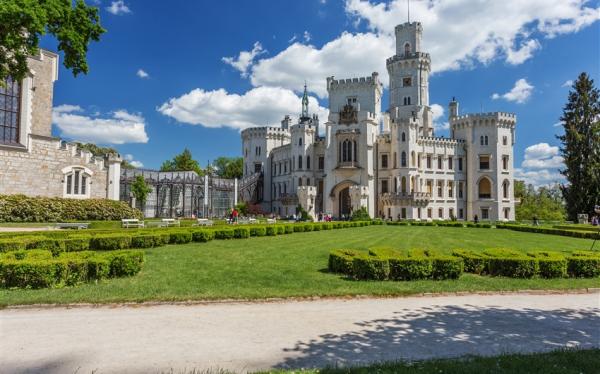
<point x="10" y="103"/>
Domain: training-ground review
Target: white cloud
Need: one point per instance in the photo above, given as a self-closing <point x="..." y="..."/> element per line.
<point x="118" y="8"/>
<point x="348" y="56"/>
<point x="245" y="59"/>
<point x="459" y="33"/>
<point x="519" y="93"/>
<point x="558" y="124"/>
<point x="307" y="37"/>
<point x="136" y="164"/>
<point x="540" y="165"/>
<point x="438" y="118"/>
<point x="568" y="83"/>
<point x="258" y="107"/>
<point x="142" y="74"/>
<point x="120" y="128"/>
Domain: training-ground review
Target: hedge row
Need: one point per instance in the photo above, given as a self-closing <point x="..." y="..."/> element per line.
<point x="574" y="233"/>
<point x="75" y="241"/>
<point x="545" y="264"/>
<point x="389" y="264"/>
<point x="21" y="208"/>
<point x="440" y="223"/>
<point x="40" y="269"/>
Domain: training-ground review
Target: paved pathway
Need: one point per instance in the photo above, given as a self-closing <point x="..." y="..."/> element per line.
<point x="240" y="337"/>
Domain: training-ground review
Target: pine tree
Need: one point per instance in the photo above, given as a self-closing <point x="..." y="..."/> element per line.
<point x="581" y="148"/>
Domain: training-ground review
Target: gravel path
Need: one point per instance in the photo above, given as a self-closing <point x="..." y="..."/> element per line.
<point x="251" y="336"/>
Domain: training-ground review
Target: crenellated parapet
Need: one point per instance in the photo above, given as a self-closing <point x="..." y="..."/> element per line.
<point x="498" y="119"/>
<point x="265" y="132"/>
<point x="354" y="83"/>
<point x="437" y="141"/>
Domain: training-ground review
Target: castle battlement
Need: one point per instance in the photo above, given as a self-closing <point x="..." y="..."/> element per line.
<point x="352" y="83"/>
<point x="432" y="140"/>
<point x="264" y="132"/>
<point x="489" y="115"/>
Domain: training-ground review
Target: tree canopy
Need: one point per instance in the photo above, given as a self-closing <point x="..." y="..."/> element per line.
<point x="182" y="162"/>
<point x="229" y="167"/>
<point x="545" y="203"/>
<point x="23" y="22"/>
<point x="580" y="147"/>
<point x="98" y="151"/>
<point x="140" y="190"/>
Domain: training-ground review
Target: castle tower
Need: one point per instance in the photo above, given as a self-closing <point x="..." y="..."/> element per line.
<point x="409" y="73"/>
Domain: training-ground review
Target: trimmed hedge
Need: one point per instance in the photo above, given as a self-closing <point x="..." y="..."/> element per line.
<point x="474" y="262"/>
<point x="180" y="237"/>
<point x="574" y="233"/>
<point x="551" y="264"/>
<point x="110" y="242"/>
<point x="340" y="260"/>
<point x="35" y="269"/>
<point x="21" y="208"/>
<point x="369" y="267"/>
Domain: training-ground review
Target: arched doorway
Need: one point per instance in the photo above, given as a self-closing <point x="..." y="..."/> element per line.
<point x="345" y="205"/>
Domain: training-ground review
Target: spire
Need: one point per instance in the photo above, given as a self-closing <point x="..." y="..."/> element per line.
<point x="305" y="103"/>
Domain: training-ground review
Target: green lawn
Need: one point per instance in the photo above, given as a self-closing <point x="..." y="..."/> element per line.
<point x="296" y="266"/>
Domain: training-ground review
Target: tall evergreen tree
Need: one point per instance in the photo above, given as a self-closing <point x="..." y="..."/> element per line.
<point x="581" y="147"/>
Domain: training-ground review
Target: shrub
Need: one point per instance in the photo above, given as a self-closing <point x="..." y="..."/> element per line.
<point x="340" y="260"/>
<point x="124" y="263"/>
<point x="29" y="274"/>
<point x="280" y="229"/>
<point x="551" y="264"/>
<point x="288" y="229"/>
<point x="475" y="263"/>
<point x="77" y="243"/>
<point x="149" y="240"/>
<point x="241" y="232"/>
<point x="55" y="246"/>
<point x="367" y="267"/>
<point x="316" y="227"/>
<point x="584" y="264"/>
<point x="110" y="242"/>
<point x="180" y="237"/>
<point x="204" y="236"/>
<point x="326" y="226"/>
<point x="361" y="214"/>
<point x="224" y="234"/>
<point x="308" y="227"/>
<point x="71" y="271"/>
<point x="21" y="208"/>
<point x="404" y="268"/>
<point x="33" y="254"/>
<point x="258" y="231"/>
<point x="447" y="267"/>
<point x="12" y="245"/>
<point x="514" y="267"/>
<point x="298" y="227"/>
<point x="98" y="267"/>
<point x="271" y="230"/>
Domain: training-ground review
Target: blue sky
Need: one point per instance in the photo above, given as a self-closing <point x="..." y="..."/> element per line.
<point x="169" y="75"/>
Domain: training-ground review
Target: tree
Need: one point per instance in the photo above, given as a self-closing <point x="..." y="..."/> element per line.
<point x="24" y="22"/>
<point x="140" y="190"/>
<point x="545" y="203"/>
<point x="361" y="215"/>
<point x="182" y="162"/>
<point x="98" y="151"/>
<point x="229" y="167"/>
<point x="581" y="148"/>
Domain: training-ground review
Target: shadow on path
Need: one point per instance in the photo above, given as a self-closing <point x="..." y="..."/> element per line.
<point x="449" y="331"/>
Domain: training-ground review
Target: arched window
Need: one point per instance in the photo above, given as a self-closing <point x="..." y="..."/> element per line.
<point x="299" y="181"/>
<point x="300" y="141"/>
<point x="486" y="140"/>
<point x="348" y="151"/>
<point x="403" y="184"/>
<point x="403" y="159"/>
<point x="77" y="182"/>
<point x="407" y="49"/>
<point x="505" y="189"/>
<point x="485" y="188"/>
<point x="481" y="140"/>
<point x="308" y="181"/>
<point x="299" y="162"/>
<point x="307" y="162"/>
<point x="403" y="137"/>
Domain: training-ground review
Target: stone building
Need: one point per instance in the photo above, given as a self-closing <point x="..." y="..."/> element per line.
<point x="34" y="163"/>
<point x="390" y="163"/>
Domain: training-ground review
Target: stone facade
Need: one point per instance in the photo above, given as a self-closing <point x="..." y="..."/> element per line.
<point x="40" y="165"/>
<point x="391" y="163"/>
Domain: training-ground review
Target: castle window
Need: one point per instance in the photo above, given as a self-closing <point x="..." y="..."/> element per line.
<point x="460" y="163"/>
<point x="10" y="103"/>
<point x="429" y="213"/>
<point x="430" y="187"/>
<point x="321" y="163"/>
<point x="299" y="181"/>
<point x="403" y="184"/>
<point x="504" y="140"/>
<point x="440" y="188"/>
<point x="450" y="189"/>
<point x="403" y="137"/>
<point x="285" y="167"/>
<point x="505" y="190"/>
<point x="460" y="190"/>
<point x="451" y="213"/>
<point x="395" y="184"/>
<point x="77" y="182"/>
<point x="396" y="160"/>
<point x="441" y="212"/>
<point x="484" y="162"/>
<point x="461" y="214"/>
<point x="308" y="181"/>
<point x="384" y="186"/>
<point x="307" y="162"/>
<point x="440" y="162"/>
<point x="485" y="188"/>
<point x="450" y="163"/>
<point x="412" y="159"/>
<point x="505" y="162"/>
<point x="300" y="141"/>
<point x="299" y="162"/>
<point x="406" y="82"/>
<point x="407" y="100"/>
<point x="403" y="159"/>
<point x="485" y="213"/>
<point x="384" y="161"/>
<point x="483" y="140"/>
<point x="407" y="49"/>
<point x="486" y="139"/>
<point x="428" y="161"/>
<point x="257" y="167"/>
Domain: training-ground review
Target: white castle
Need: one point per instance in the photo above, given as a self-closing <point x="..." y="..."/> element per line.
<point x="390" y="163"/>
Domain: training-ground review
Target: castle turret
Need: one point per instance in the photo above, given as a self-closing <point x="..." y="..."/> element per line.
<point x="453" y="109"/>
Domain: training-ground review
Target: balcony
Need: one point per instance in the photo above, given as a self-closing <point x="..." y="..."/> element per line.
<point x="348" y="165"/>
<point x="406" y="198"/>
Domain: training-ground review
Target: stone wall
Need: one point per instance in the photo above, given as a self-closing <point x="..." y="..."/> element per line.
<point x="38" y="171"/>
<point x="43" y="68"/>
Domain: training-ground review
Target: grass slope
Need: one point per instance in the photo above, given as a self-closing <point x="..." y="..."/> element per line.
<point x="295" y="266"/>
